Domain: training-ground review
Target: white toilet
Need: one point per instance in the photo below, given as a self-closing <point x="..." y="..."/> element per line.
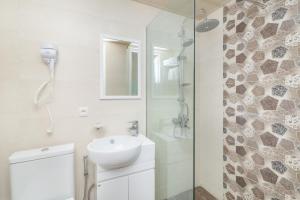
<point x="43" y="174"/>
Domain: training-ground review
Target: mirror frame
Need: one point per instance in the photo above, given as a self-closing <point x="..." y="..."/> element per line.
<point x="103" y="95"/>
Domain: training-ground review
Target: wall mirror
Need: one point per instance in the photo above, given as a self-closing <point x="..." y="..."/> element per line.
<point x="120" y="70"/>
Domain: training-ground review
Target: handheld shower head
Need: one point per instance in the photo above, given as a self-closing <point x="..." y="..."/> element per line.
<point x="187" y="43"/>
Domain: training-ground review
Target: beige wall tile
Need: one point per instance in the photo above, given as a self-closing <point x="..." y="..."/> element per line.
<point x="75" y="27"/>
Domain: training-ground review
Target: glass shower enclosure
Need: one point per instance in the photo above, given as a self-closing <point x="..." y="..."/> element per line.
<point x="170" y="101"/>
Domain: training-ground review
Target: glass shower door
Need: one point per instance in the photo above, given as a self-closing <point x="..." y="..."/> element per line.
<point x="170" y="103"/>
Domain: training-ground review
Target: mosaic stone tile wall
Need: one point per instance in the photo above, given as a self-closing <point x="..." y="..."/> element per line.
<point x="261" y="100"/>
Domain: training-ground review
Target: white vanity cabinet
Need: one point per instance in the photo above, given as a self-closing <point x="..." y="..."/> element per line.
<point x="135" y="182"/>
<point x="113" y="189"/>
<point x="139" y="186"/>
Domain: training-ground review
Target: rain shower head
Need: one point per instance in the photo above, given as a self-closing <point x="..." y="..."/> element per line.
<point x="207" y="25"/>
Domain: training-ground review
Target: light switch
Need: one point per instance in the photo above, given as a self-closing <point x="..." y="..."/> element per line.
<point x="83" y="111"/>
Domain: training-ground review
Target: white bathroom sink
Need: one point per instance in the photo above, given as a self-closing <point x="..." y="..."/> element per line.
<point x="114" y="152"/>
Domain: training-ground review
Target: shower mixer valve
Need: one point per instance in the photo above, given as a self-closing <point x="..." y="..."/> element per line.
<point x="181" y="121"/>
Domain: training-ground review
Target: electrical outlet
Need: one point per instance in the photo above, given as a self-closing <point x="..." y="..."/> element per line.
<point x="83" y="111"/>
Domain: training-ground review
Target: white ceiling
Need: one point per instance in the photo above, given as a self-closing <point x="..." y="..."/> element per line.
<point x="185" y="7"/>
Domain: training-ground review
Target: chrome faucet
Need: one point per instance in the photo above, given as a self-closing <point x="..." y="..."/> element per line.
<point x="134" y="128"/>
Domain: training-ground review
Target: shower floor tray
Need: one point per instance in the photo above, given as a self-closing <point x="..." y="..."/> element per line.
<point x="201" y="194"/>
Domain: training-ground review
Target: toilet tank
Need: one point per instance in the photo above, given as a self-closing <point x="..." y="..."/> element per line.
<point x="43" y="174"/>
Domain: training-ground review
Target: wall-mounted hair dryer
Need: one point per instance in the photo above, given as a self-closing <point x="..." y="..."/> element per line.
<point x="49" y="54"/>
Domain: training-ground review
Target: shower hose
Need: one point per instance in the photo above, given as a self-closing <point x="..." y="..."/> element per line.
<point x="86" y="192"/>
